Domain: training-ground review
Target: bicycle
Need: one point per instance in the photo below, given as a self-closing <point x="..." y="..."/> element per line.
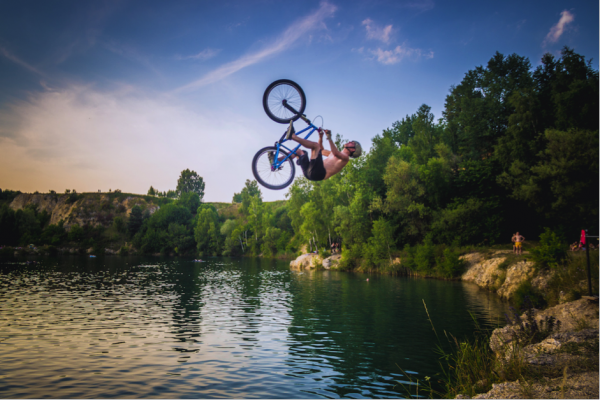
<point x="284" y="102"/>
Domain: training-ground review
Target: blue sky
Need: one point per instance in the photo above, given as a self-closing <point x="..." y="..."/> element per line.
<point x="126" y="94"/>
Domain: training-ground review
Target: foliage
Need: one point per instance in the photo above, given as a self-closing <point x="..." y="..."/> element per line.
<point x="526" y="297"/>
<point x="135" y="220"/>
<point x="515" y="147"/>
<point x="551" y="250"/>
<point x="190" y="200"/>
<point x="190" y="181"/>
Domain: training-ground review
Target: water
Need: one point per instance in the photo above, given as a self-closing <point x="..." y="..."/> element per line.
<point x="75" y="327"/>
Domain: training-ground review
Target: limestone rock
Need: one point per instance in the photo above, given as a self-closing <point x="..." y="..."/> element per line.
<point x="306" y="261"/>
<point x="81" y="212"/>
<point x="575" y="386"/>
<point x="484" y="273"/>
<point x="332" y="262"/>
<point x="515" y="276"/>
<point x="575" y="317"/>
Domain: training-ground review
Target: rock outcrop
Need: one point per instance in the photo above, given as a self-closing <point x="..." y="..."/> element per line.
<point x="493" y="274"/>
<point x="575" y="343"/>
<point x="88" y="208"/>
<point x="306" y="261"/>
<point x="311" y="260"/>
<point x="332" y="262"/>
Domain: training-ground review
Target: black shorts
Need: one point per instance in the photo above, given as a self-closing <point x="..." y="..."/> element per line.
<point x="314" y="170"/>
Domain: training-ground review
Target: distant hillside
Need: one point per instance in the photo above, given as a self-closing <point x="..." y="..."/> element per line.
<point x="99" y="208"/>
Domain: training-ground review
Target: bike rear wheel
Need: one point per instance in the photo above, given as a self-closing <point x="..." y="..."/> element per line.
<point x="278" y="92"/>
<point x="266" y="175"/>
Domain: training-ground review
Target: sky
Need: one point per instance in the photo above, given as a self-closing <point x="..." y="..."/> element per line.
<point x="99" y="95"/>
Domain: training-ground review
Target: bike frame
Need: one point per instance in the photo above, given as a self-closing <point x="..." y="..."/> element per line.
<point x="277" y="164"/>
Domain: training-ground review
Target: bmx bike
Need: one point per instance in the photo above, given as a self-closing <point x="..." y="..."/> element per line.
<point x="284" y="102"/>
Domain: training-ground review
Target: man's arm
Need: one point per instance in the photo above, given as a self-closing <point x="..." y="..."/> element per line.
<point x="334" y="149"/>
<point x="323" y="151"/>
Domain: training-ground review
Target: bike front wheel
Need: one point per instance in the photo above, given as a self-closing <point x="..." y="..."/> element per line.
<point x="268" y="176"/>
<point x="278" y="93"/>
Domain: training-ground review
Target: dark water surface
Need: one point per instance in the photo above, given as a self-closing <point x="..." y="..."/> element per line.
<point x="106" y="327"/>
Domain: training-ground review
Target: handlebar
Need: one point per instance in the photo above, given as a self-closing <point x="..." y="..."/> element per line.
<point x="302" y="116"/>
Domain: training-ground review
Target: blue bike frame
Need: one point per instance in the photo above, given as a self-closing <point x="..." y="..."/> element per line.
<point x="277" y="164"/>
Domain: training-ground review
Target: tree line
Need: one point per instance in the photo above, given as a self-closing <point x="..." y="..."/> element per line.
<point x="516" y="149"/>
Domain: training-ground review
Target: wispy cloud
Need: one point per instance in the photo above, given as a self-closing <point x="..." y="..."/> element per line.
<point x="294" y="32"/>
<point x="131" y="54"/>
<point x="66" y="139"/>
<point x="377" y="32"/>
<point x="419" y="5"/>
<point x="557" y="30"/>
<point x="202" y="56"/>
<point x="18" y="61"/>
<point x="401" y="52"/>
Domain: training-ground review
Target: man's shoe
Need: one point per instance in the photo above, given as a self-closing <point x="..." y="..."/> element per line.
<point x="290" y="131"/>
<point x="271" y="156"/>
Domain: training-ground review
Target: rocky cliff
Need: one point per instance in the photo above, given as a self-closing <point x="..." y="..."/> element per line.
<point x="85" y="208"/>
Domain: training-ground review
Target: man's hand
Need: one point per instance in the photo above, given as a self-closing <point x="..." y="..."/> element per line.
<point x="328" y="134"/>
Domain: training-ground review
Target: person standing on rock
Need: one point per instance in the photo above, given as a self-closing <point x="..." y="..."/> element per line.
<point x="518" y="241"/>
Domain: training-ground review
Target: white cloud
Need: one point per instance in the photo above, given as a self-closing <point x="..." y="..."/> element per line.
<point x="401" y="52"/>
<point x="202" y="56"/>
<point x="557" y="30"/>
<point x="18" y="61"/>
<point x="297" y="30"/>
<point x="82" y="138"/>
<point x="377" y="32"/>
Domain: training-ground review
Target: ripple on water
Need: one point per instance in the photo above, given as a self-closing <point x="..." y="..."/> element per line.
<point x="113" y="327"/>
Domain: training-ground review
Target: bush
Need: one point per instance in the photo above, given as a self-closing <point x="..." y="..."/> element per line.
<point x="123" y="251"/>
<point x="351" y="257"/>
<point x="76" y="233"/>
<point x="526" y="297"/>
<point x="425" y="256"/>
<point x="73" y="197"/>
<point x="451" y="265"/>
<point x="551" y="251"/>
<point x="119" y="224"/>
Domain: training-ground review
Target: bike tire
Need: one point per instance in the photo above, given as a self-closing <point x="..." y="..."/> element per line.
<point x="274" y="180"/>
<point x="276" y="92"/>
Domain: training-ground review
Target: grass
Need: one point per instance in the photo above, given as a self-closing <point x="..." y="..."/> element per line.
<point x="470" y="367"/>
<point x="570" y="278"/>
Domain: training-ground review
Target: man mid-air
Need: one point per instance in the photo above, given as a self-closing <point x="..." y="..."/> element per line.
<point x="317" y="169"/>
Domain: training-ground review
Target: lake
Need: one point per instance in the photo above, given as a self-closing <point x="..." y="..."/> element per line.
<point x="112" y="327"/>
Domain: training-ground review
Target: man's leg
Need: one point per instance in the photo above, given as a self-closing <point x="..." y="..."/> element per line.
<point x="313" y="146"/>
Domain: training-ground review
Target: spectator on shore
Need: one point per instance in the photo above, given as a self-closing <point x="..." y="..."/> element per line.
<point x="518" y="240"/>
<point x="574" y="247"/>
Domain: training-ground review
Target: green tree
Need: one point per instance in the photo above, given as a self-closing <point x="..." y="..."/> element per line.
<point x="9" y="229"/>
<point x="205" y="232"/>
<point x="190" y="200"/>
<point x="135" y="220"/>
<point x="190" y="181"/>
<point x="76" y="234"/>
<point x="151" y="191"/>
<point x="249" y="192"/>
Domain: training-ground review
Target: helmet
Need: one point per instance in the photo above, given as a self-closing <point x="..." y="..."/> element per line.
<point x="357" y="149"/>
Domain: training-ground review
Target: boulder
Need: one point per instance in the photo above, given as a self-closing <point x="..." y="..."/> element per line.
<point x="332" y="262"/>
<point x="576" y="316"/>
<point x="515" y="276"/>
<point x="306" y="261"/>
<point x="570" y="386"/>
<point x="484" y="273"/>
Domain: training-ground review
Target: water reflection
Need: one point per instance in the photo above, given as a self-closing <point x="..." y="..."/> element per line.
<point x="114" y="327"/>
